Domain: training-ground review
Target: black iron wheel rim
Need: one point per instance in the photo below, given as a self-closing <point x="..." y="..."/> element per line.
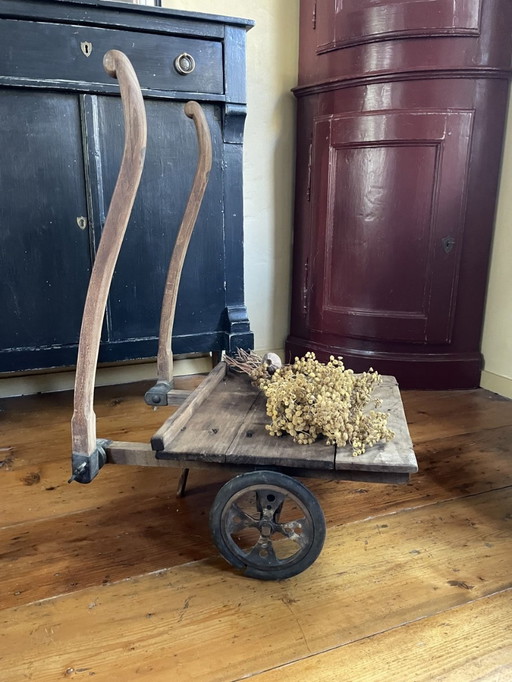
<point x="277" y="540"/>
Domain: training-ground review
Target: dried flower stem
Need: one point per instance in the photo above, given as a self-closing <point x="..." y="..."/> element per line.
<point x="244" y="361"/>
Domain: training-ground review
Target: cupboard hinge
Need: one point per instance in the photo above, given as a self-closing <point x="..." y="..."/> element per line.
<point x="313" y="18"/>
<point x="308" y="185"/>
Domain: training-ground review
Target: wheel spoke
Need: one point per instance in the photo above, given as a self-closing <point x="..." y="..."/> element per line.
<point x="238" y="519"/>
<point x="290" y="529"/>
<point x="263" y="553"/>
<point x="269" y="503"/>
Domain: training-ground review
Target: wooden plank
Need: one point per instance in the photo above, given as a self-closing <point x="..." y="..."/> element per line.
<point x="372" y="576"/>
<point x="27" y="420"/>
<point x="210" y="431"/>
<point x="470" y="642"/>
<point x="99" y="546"/>
<point x="396" y="455"/>
<point x="177" y="396"/>
<point x="141" y="455"/>
<point x="253" y="445"/>
<point x="430" y="414"/>
<point x="438" y="414"/>
<point x="180" y="418"/>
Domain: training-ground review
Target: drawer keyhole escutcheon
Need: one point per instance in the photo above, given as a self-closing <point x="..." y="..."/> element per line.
<point x="184" y="63"/>
<point x="81" y="222"/>
<point x="86" y="48"/>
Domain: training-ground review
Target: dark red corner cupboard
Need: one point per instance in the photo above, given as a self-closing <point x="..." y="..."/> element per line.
<point x="401" y="116"/>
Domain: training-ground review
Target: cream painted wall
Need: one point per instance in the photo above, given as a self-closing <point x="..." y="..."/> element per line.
<point x="272" y="55"/>
<point x="497" y="336"/>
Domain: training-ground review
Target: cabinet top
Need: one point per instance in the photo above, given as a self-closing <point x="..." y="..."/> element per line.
<point x="92" y="11"/>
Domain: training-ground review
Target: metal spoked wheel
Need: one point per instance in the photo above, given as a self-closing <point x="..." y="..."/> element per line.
<point x="267" y="524"/>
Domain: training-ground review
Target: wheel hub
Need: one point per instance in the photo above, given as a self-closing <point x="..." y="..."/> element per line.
<point x="266" y="529"/>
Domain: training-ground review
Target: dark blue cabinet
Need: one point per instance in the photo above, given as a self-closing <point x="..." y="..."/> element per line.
<point x="61" y="135"/>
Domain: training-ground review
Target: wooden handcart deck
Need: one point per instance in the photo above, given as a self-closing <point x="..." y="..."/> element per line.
<point x="228" y="428"/>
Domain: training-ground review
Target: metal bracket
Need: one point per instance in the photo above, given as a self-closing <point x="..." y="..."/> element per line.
<point x="86" y="467"/>
<point x="157" y="394"/>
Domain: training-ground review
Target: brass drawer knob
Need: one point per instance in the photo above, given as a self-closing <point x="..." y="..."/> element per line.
<point x="184" y="63"/>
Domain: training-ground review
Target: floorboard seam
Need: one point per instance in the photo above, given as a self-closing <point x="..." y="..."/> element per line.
<point x="374" y="634"/>
<point x="433" y="503"/>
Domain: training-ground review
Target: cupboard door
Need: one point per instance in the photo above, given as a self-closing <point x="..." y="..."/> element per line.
<point x="137" y="288"/>
<point x="388" y="198"/>
<point x="44" y="237"/>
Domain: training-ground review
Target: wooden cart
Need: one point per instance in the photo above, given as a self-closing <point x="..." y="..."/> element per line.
<point x="263" y="521"/>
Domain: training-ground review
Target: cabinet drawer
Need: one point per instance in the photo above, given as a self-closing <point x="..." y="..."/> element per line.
<point x="63" y="53"/>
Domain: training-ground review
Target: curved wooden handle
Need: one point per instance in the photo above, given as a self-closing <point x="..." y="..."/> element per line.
<point x="83" y="423"/>
<point x="204" y="164"/>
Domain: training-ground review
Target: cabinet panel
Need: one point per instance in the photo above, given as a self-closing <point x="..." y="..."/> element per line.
<point x="44" y="251"/>
<point x="138" y="283"/>
<point x="354" y="22"/>
<point x="389" y="221"/>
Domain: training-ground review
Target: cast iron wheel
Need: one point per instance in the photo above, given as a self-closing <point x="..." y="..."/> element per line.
<point x="267" y="524"/>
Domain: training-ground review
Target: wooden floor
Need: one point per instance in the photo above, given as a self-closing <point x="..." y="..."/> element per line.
<point x="118" y="580"/>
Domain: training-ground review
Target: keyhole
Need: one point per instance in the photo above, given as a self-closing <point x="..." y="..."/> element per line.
<point x="86" y="48"/>
<point x="81" y="222"/>
<point x="448" y="244"/>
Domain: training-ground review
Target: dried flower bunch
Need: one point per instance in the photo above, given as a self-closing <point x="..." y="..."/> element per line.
<point x="308" y="398"/>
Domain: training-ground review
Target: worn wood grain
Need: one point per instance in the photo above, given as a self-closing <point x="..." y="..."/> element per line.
<point x="83" y="425"/>
<point x="210" y="432"/>
<point x="204" y="164"/>
<point x="396" y="455"/>
<point x="231" y="429"/>
<point x="163" y="438"/>
<point x="177" y="397"/>
<point x="253" y="444"/>
<point x="371" y="575"/>
<point x="469" y="643"/>
<point x="102" y="545"/>
<point x="440" y="414"/>
<point x="25" y="422"/>
<point x="430" y="415"/>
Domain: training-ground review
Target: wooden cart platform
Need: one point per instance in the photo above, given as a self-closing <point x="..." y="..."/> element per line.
<point x="223" y="422"/>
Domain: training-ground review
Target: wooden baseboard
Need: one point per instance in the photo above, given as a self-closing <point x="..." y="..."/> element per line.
<point x="27" y="384"/>
<point x="50" y="382"/>
<point x="496" y="383"/>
